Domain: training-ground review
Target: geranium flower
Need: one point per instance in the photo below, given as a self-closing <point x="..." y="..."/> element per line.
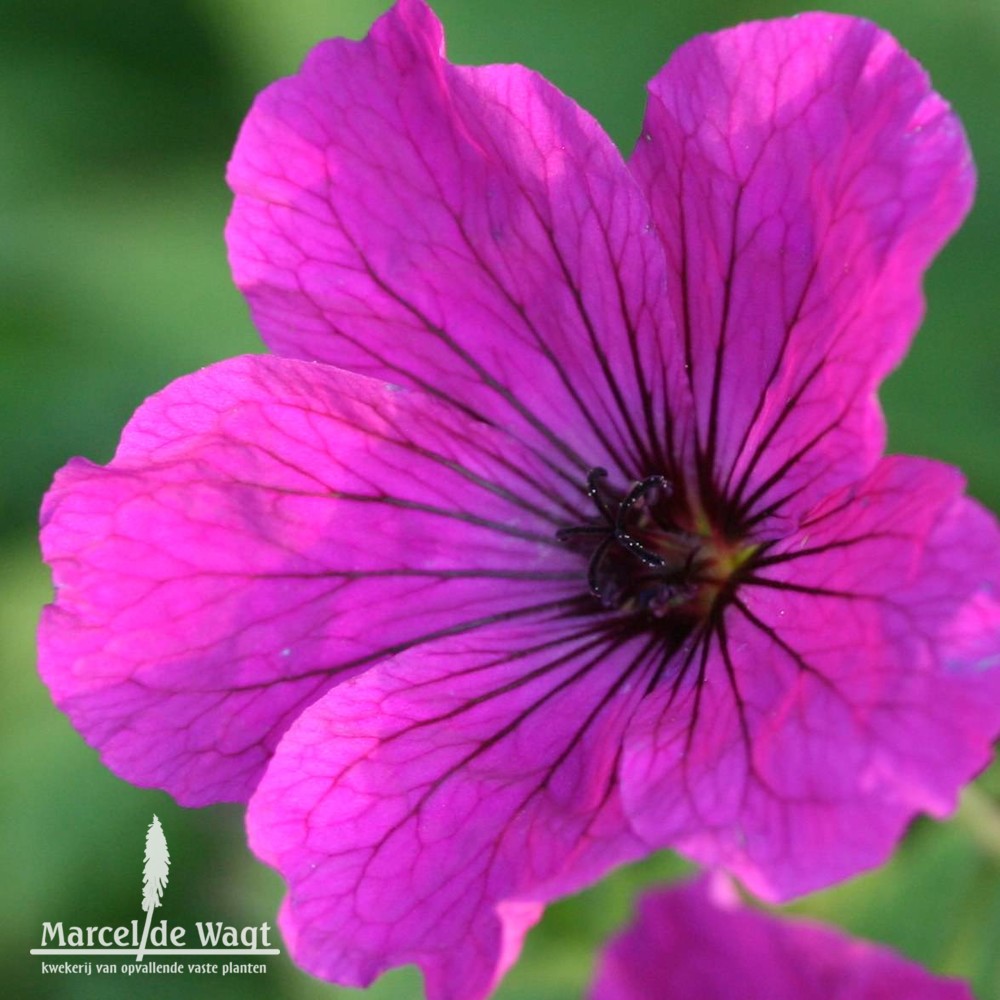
<point x="696" y="941"/>
<point x="560" y="529"/>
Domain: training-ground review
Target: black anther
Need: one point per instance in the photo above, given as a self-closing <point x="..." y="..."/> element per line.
<point x="615" y="528"/>
<point x="638" y="491"/>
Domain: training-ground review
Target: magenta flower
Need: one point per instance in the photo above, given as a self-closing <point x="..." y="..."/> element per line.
<point x="560" y="531"/>
<point x="696" y="942"/>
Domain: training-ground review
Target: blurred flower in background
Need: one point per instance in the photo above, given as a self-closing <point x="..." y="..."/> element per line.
<point x="696" y="941"/>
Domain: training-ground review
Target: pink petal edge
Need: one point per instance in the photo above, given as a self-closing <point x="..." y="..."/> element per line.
<point x="466" y="230"/>
<point x="267" y="529"/>
<point x="852" y="685"/>
<point x="802" y="175"/>
<point x="423" y="811"/>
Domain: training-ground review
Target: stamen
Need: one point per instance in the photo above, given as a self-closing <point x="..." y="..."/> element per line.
<point x="645" y="559"/>
<point x="594" y="567"/>
<point x="615" y="531"/>
<point x="594" y="491"/>
<point x="638" y="492"/>
<point x="580" y="529"/>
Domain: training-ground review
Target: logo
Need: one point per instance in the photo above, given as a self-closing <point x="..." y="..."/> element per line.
<point x="212" y="939"/>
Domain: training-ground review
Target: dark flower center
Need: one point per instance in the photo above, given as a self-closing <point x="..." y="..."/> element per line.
<point x="648" y="556"/>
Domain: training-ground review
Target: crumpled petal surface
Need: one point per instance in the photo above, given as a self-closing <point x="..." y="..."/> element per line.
<point x="470" y="231"/>
<point x="802" y="175"/>
<point x="267" y="529"/>
<point x="696" y="941"/>
<point x="423" y="810"/>
<point x="849" y="686"/>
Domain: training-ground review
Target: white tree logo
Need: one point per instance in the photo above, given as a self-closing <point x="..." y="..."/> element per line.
<point x="155" y="871"/>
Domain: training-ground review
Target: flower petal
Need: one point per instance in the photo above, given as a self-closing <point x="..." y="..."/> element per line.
<point x="469" y="231"/>
<point x="424" y="810"/>
<point x="853" y="681"/>
<point x="267" y="529"/>
<point x="802" y="175"/>
<point x="695" y="941"/>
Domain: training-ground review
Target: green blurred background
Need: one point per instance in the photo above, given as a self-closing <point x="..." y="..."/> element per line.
<point x="116" y="119"/>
